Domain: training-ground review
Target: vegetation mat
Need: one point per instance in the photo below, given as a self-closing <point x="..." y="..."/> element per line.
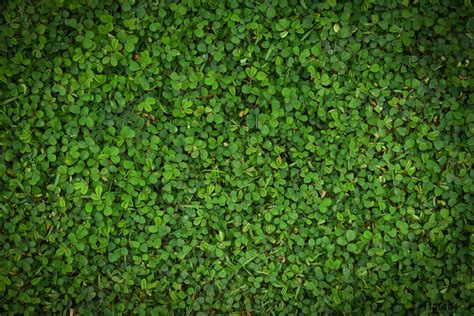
<point x="236" y="157"/>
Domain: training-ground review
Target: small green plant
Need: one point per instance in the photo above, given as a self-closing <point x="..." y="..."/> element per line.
<point x="236" y="157"/>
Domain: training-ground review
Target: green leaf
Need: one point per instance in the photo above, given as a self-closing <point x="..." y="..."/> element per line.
<point x="127" y="132"/>
<point x="184" y="251"/>
<point x="325" y="204"/>
<point x="350" y="235"/>
<point x="374" y="68"/>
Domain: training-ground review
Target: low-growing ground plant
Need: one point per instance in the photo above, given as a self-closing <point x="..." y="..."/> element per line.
<point x="270" y="157"/>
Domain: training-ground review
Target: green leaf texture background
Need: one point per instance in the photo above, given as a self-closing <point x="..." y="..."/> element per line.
<point x="236" y="157"/>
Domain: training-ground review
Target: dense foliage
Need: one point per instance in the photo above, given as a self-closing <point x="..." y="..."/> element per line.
<point x="269" y="157"/>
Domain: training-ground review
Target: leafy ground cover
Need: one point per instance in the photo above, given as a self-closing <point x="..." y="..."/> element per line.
<point x="236" y="157"/>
